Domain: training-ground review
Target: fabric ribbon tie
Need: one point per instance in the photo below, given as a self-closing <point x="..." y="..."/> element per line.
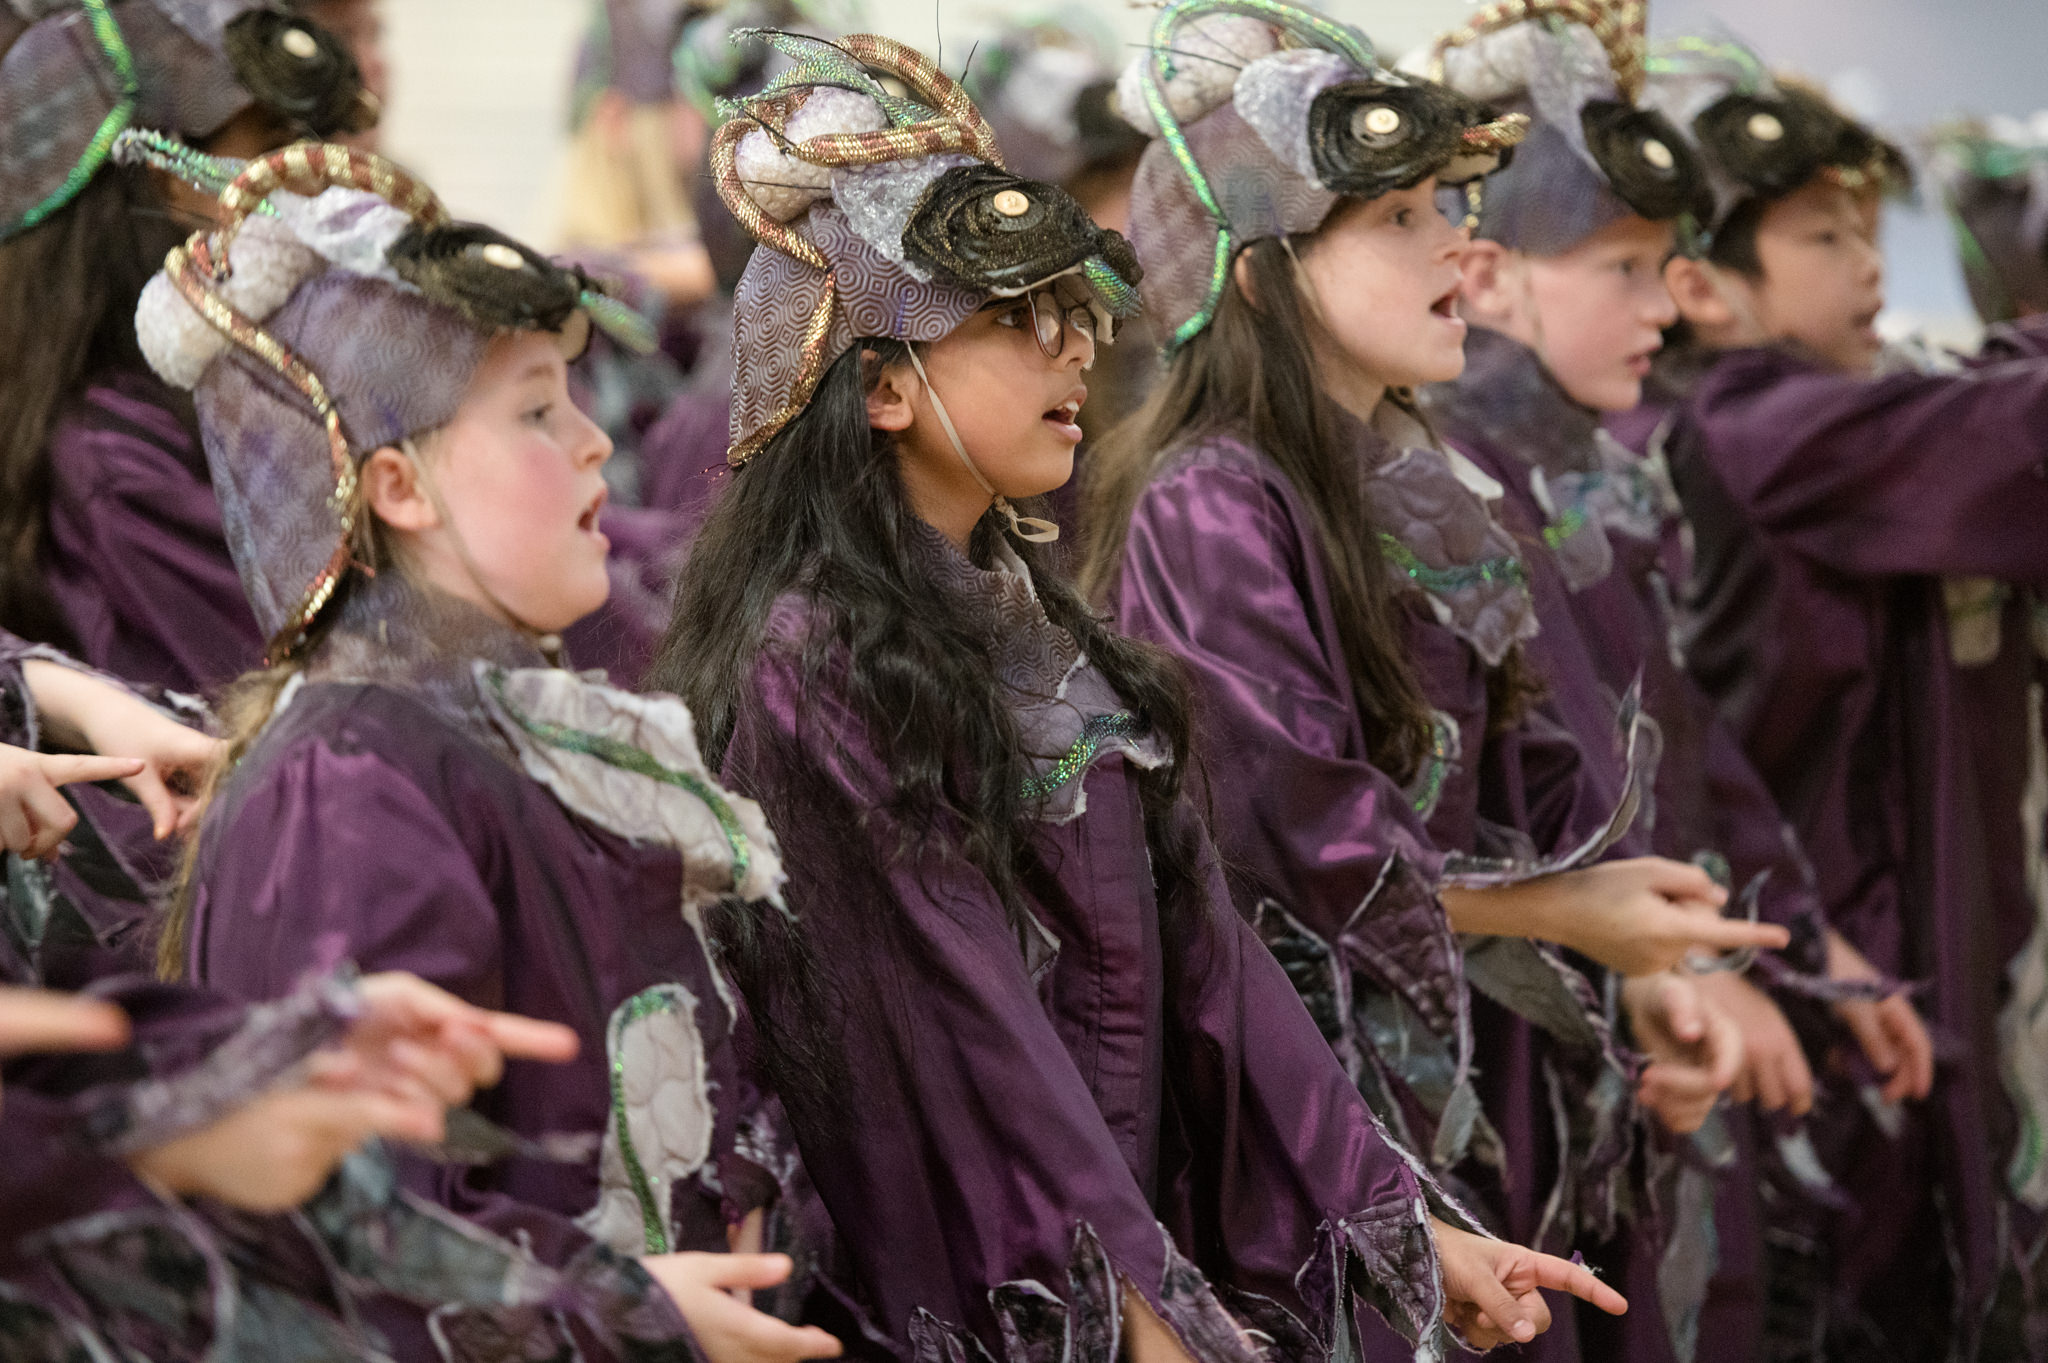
<point x="1032" y="529"/>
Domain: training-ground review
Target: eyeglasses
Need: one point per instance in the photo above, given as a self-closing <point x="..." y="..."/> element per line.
<point x="1050" y="319"/>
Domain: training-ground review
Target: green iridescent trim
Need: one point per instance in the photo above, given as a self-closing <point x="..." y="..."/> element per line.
<point x="619" y="321"/>
<point x="1121" y="724"/>
<point x="629" y="758"/>
<point x="1428" y="787"/>
<point x="1464" y="575"/>
<point x="207" y="174"/>
<point x="1564" y="527"/>
<point x="1317" y="30"/>
<point x="1681" y="56"/>
<point x="641" y="1006"/>
<point x="96" y="151"/>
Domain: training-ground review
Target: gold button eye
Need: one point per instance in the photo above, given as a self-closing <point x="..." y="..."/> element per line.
<point x="1380" y="120"/>
<point x="502" y="256"/>
<point x="1765" y="127"/>
<point x="1012" y="203"/>
<point x="1657" y="154"/>
<point x="300" y="44"/>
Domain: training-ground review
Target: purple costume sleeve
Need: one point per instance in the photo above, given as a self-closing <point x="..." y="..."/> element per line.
<point x="1214" y="570"/>
<point x="136" y="555"/>
<point x="967" y="1151"/>
<point x="1909" y="473"/>
<point x="360" y="861"/>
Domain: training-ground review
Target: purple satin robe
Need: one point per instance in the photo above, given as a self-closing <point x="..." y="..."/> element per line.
<point x="1222" y="566"/>
<point x="1135" y="1073"/>
<point x="1827" y="512"/>
<point x="377" y="820"/>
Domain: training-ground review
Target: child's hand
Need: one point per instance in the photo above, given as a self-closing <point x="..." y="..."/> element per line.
<point x="1490" y="1287"/>
<point x="1889" y="1030"/>
<point x="1646" y="915"/>
<point x="85" y="712"/>
<point x="728" y="1330"/>
<point x="34" y="1021"/>
<point x="414" y="1053"/>
<point x="1774" y="1075"/>
<point x="1695" y="1051"/>
<point x="35" y="818"/>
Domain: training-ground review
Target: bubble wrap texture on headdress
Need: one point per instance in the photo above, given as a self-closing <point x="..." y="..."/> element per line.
<point x="60" y="90"/>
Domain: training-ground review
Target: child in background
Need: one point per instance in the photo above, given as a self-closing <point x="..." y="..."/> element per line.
<point x="414" y="784"/>
<point x="1057" y="1098"/>
<point x="1353" y="617"/>
<point x="1564" y="285"/>
<point x="1867" y="537"/>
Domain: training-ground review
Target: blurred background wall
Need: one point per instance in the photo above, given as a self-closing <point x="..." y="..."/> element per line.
<point x="480" y="88"/>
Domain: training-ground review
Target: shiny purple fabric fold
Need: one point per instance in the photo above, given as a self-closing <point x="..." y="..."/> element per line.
<point x="1117" y="1062"/>
<point x="1832" y="516"/>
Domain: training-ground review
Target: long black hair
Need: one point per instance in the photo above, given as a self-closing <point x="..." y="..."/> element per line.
<point x="1252" y="373"/>
<point x="822" y="512"/>
<point x="68" y="290"/>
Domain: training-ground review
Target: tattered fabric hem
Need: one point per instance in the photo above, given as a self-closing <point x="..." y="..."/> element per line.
<point x="1385" y="1256"/>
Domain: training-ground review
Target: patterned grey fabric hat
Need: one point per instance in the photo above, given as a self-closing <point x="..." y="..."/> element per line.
<point x="76" y="73"/>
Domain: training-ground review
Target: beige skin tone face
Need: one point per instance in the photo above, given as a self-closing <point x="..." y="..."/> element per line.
<point x="1596" y="314"/>
<point x="1012" y="404"/>
<point x="501" y="506"/>
<point x="1383" y="275"/>
<point x="1821" y="286"/>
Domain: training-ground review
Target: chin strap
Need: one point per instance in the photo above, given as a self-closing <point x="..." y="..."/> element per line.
<point x="547" y="642"/>
<point x="1029" y="528"/>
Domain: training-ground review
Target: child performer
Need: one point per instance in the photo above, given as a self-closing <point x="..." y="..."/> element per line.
<point x="1303" y="270"/>
<point x="1052" y="1090"/>
<point x="1564" y="284"/>
<point x="412" y="501"/>
<point x="1864" y="542"/>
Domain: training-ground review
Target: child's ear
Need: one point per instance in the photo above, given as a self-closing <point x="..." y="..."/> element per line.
<point x="394" y="493"/>
<point x="1698" y="289"/>
<point x="1485" y="292"/>
<point x="889" y="393"/>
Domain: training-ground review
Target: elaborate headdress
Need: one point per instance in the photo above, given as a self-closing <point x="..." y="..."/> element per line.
<point x="1265" y="116"/>
<point x="1045" y="82"/>
<point x="881" y="215"/>
<point x="76" y="73"/>
<point x="1760" y="137"/>
<point x="335" y="311"/>
<point x="1593" y="154"/>
<point x="1994" y="183"/>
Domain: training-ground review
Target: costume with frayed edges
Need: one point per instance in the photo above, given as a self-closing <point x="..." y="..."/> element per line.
<point x="1114" y="1089"/>
<point x="95" y="1264"/>
<point x="1265" y="117"/>
<point x="1599" y="531"/>
<point x="431" y="794"/>
<point x="1859" y="610"/>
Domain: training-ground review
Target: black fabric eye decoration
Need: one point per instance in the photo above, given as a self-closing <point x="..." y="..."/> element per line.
<point x="1366" y="138"/>
<point x="985" y="228"/>
<point x="1647" y="164"/>
<point x="1771" y="145"/>
<point x="299" y="70"/>
<point x="490" y="279"/>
